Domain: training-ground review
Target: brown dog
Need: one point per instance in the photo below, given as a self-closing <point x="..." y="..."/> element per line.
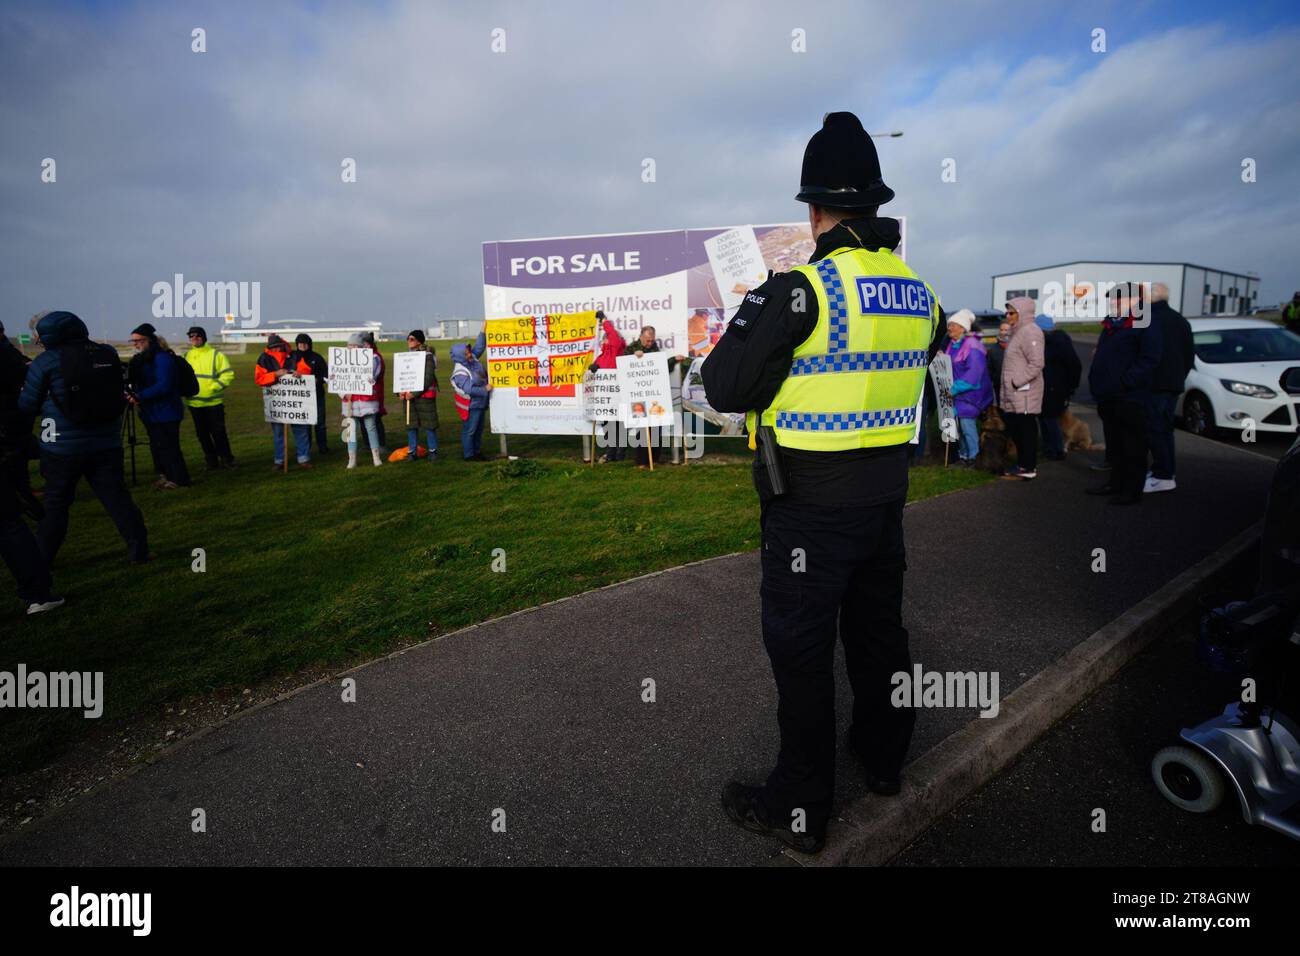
<point x="1076" y="432"/>
<point x="997" y="450"/>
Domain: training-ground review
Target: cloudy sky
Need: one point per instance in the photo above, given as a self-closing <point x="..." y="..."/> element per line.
<point x="225" y="165"/>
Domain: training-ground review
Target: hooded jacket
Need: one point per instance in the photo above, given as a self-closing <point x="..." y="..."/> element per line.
<point x="215" y="375"/>
<point x="1023" y="363"/>
<point x="611" y="347"/>
<point x="970" y="365"/>
<point x="469" y="377"/>
<point x="44" y="389"/>
<point x="1061" y="367"/>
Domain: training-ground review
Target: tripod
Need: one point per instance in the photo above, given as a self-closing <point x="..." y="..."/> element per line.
<point x="129" y="436"/>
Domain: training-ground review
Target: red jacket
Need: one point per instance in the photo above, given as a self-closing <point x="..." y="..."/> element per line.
<point x="611" y="348"/>
<point x="376" y="393"/>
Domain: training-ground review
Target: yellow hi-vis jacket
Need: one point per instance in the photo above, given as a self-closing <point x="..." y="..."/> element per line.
<point x="214" y="373"/>
<point x="855" y="381"/>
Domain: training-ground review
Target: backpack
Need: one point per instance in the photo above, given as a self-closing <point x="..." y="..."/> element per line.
<point x="92" y="383"/>
<point x="187" y="383"/>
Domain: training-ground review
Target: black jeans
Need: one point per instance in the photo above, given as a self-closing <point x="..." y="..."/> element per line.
<point x="103" y="472"/>
<point x="19" y="551"/>
<point x="851" y="584"/>
<point x="1160" y="432"/>
<point x="210" y="427"/>
<point x="1023" y="430"/>
<point x="1126" y="443"/>
<point x="165" y="446"/>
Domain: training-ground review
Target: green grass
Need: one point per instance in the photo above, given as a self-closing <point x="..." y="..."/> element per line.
<point x="330" y="567"/>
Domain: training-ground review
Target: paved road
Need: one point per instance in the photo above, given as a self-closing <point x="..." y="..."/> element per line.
<point x="541" y="713"/>
<point x="1039" y="812"/>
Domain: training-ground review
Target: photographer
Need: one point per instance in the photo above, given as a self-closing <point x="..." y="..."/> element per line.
<point x="155" y="391"/>
<point x="80" y="430"/>
<point x="17" y="545"/>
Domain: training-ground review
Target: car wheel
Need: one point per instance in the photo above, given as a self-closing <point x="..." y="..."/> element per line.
<point x="1198" y="415"/>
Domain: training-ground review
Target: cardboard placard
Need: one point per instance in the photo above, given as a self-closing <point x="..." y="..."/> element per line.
<point x="351" y="370"/>
<point x="600" y="392"/>
<point x="645" y="392"/>
<point x="408" y="372"/>
<point x="290" y="401"/>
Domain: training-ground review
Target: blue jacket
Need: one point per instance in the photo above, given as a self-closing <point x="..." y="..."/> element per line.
<point x="45" y="382"/>
<point x="469" y="377"/>
<point x="153" y="374"/>
<point x="1125" y="362"/>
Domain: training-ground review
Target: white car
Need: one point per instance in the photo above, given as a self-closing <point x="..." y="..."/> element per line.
<point x="1237" y="377"/>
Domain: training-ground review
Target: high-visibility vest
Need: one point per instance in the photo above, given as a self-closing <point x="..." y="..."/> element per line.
<point x="212" y="369"/>
<point x="855" y="381"/>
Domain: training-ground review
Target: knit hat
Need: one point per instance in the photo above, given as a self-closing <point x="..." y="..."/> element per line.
<point x="417" y="335"/>
<point x="303" y="337"/>
<point x="274" y="341"/>
<point x="145" y="329"/>
<point x="198" y="330"/>
<point x="841" y="168"/>
<point x="963" y="317"/>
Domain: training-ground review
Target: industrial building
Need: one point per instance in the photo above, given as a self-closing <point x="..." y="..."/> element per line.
<point x="1069" y="291"/>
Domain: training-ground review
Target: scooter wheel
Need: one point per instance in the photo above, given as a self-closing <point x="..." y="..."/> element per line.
<point x="1188" y="779"/>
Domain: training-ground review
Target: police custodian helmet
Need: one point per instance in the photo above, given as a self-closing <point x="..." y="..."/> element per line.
<point x="841" y="168"/>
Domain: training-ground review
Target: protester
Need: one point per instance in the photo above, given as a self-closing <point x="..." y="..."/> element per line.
<point x="424" y="404"/>
<point x="995" y="357"/>
<point x="469" y="382"/>
<point x="1291" y="314"/>
<point x="364" y="409"/>
<point x="75" y="389"/>
<point x="368" y="341"/>
<point x="18" y="546"/>
<point x="1021" y="395"/>
<point x="208" y="407"/>
<point x="1061" y="373"/>
<point x="1176" y="358"/>
<point x="1127" y="355"/>
<point x="612" y="346"/>
<point x="320" y="371"/>
<point x="272" y="365"/>
<point x="156" y="393"/>
<point x="20" y="446"/>
<point x="972" y="389"/>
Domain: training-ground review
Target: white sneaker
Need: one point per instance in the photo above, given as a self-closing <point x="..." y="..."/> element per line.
<point x="1158" y="484"/>
<point x="36" y="607"/>
<point x="374" y="456"/>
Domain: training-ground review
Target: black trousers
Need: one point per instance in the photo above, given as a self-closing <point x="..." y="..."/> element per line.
<point x="210" y="427"/>
<point x="19" y="551"/>
<point x="1126" y="443"/>
<point x="846" y="579"/>
<point x="321" y="428"/>
<point x="103" y="472"/>
<point x="165" y="447"/>
<point x="1023" y="430"/>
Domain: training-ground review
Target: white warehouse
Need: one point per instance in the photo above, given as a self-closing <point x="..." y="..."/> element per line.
<point x="1068" y="291"/>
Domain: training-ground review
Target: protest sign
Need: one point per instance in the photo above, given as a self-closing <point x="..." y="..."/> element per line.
<point x="408" y="372"/>
<point x="600" y="393"/>
<point x="290" y="401"/>
<point x="645" y="392"/>
<point x="737" y="264"/>
<point x="351" y="370"/>
<point x="535" y="366"/>
<point x="941" y="373"/>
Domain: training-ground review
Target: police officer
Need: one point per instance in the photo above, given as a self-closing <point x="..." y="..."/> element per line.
<point x="828" y="361"/>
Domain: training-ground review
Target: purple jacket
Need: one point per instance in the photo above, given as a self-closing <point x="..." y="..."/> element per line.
<point x="970" y="364"/>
